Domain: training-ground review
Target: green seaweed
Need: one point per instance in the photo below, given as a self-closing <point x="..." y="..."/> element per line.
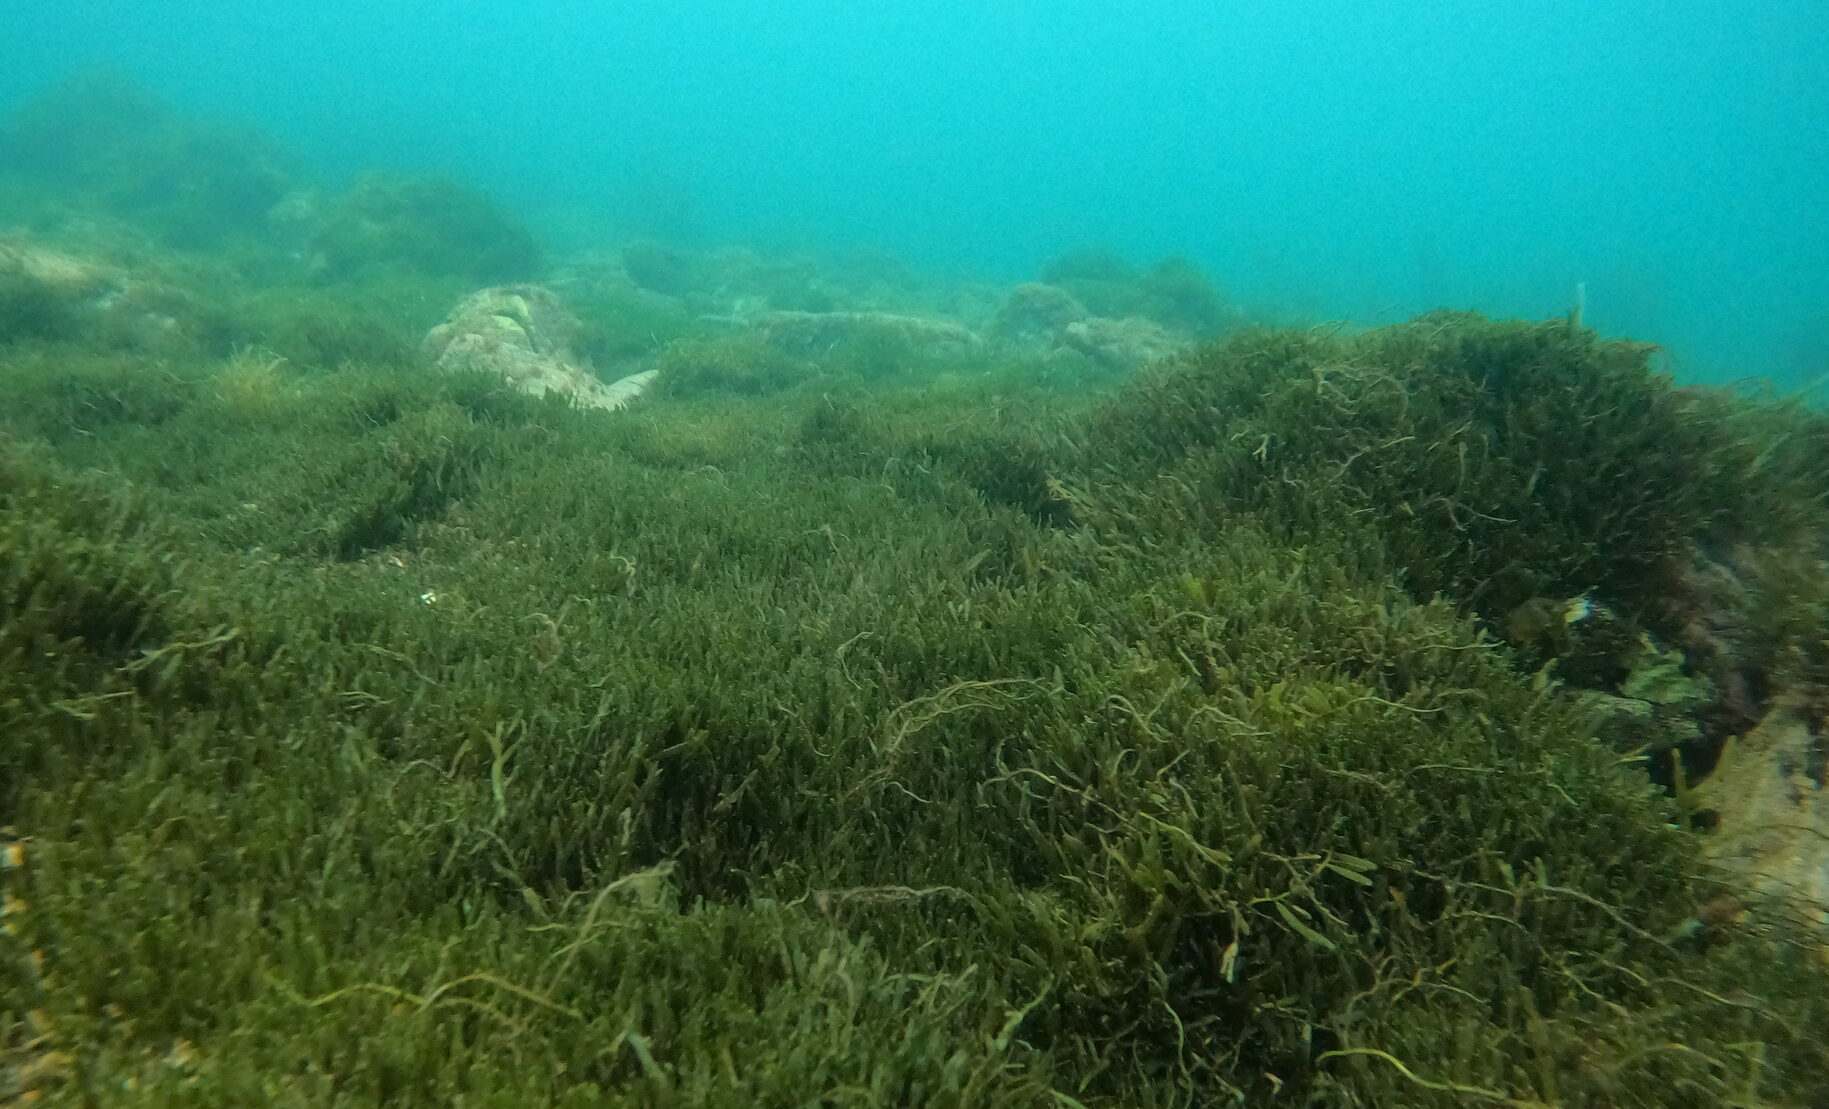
<point x="382" y="736"/>
<point x="1173" y="291"/>
<point x="1507" y="460"/>
<point x="421" y="225"/>
<point x="96" y="142"/>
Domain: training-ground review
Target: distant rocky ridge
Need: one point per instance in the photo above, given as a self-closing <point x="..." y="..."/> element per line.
<point x="100" y="168"/>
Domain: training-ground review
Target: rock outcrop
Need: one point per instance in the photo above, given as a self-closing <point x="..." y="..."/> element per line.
<point x="47" y="294"/>
<point x="1771" y="813"/>
<point x="1121" y="344"/>
<point x="1037" y="314"/>
<point x="524" y="335"/>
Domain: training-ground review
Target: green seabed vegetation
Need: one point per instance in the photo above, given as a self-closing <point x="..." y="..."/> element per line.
<point x="1310" y="718"/>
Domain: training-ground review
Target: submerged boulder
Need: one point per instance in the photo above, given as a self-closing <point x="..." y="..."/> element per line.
<point x="1131" y="341"/>
<point x="47" y="294"/>
<point x="96" y="143"/>
<point x="1771" y="815"/>
<point x="57" y="274"/>
<point x="1173" y="292"/>
<point x="523" y="334"/>
<point x="1048" y="316"/>
<point x="1036" y="313"/>
<point x="423" y="225"/>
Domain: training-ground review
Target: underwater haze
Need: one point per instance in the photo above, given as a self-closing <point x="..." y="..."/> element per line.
<point x="1325" y="160"/>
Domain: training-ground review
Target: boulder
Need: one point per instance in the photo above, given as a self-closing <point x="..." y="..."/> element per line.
<point x="97" y="144"/>
<point x="47" y="294"/>
<point x="422" y="225"/>
<point x="1129" y="342"/>
<point x="524" y="335"/>
<point x="1771" y="814"/>
<point x="1037" y="313"/>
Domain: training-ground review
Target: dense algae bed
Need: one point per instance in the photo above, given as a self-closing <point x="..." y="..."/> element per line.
<point x="379" y="735"/>
<point x="883" y="727"/>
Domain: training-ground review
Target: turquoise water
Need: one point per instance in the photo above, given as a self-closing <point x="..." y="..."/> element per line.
<point x="1323" y="160"/>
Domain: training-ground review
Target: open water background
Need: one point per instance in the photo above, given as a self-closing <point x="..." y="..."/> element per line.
<point x="1322" y="159"/>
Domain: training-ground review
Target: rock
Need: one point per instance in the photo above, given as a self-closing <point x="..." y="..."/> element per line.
<point x="663" y="269"/>
<point x="813" y="332"/>
<point x="97" y="143"/>
<point x="1174" y="292"/>
<point x="46" y="294"/>
<point x="523" y="334"/>
<point x="422" y="225"/>
<point x="1037" y="313"/>
<point x="58" y="274"/>
<point x="1771" y="833"/>
<point x="1129" y="342"/>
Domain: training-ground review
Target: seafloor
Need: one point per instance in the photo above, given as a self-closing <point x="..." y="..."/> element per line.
<point x="848" y="686"/>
